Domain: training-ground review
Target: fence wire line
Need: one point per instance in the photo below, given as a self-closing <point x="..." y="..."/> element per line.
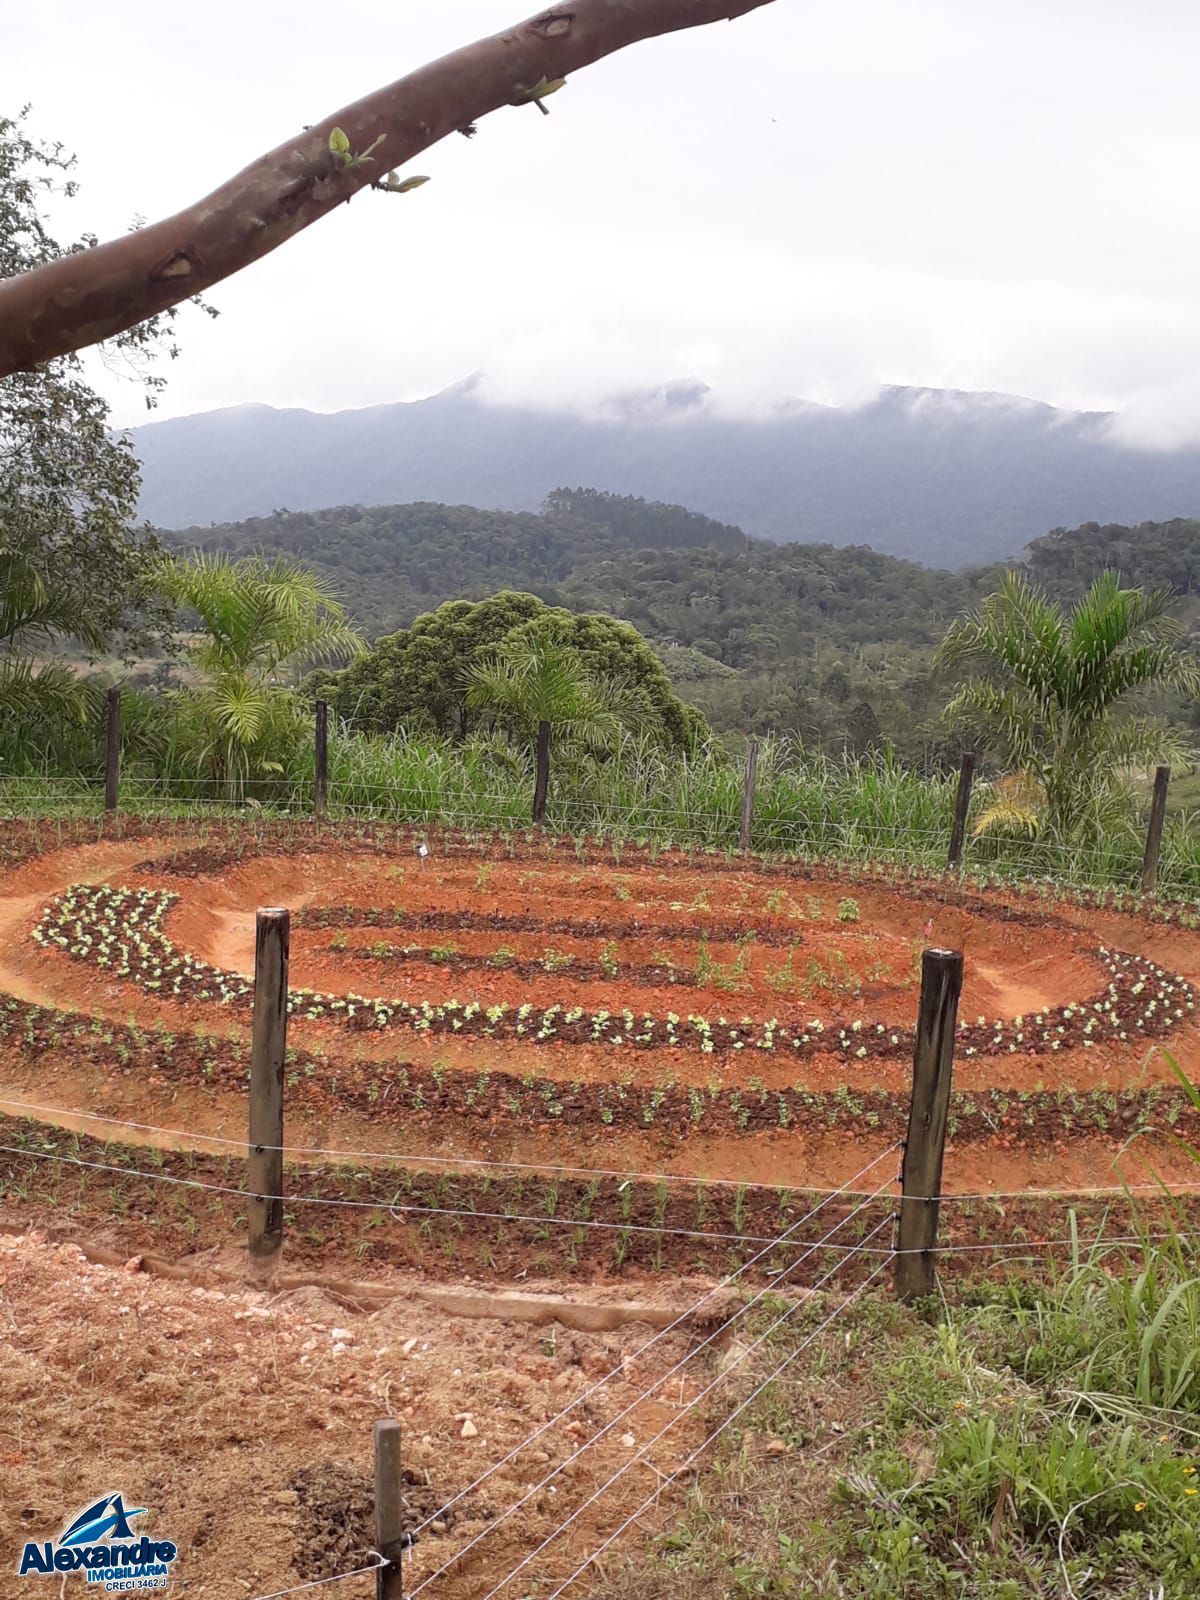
<point x="640" y="1455"/>
<point x="686" y="1466"/>
<point x="549" y="1167"/>
<point x="641" y="1400"/>
<point x="769" y="1241"/>
<point x="320" y="1583"/>
<point x="552" y="1168"/>
<point x="1085" y="871"/>
<point x="466" y="805"/>
<point x="656" y="1338"/>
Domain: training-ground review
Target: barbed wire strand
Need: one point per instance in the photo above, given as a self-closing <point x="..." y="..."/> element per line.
<point x="686" y="1466"/>
<point x="640" y="1455"/>
<point x="649" y="1344"/>
<point x="640" y="1400"/>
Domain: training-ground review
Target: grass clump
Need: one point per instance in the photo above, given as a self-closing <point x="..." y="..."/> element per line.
<point x="1038" y="1441"/>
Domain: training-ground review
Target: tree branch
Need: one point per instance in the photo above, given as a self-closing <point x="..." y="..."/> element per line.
<point x="84" y="298"/>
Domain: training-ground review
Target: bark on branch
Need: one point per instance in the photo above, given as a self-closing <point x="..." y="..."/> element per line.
<point x="82" y="299"/>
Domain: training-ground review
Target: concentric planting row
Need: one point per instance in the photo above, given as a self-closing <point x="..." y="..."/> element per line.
<point x="122" y="931"/>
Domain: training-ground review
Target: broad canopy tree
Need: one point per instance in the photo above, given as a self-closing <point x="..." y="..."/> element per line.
<point x="421" y="678"/>
<point x="76" y="300"/>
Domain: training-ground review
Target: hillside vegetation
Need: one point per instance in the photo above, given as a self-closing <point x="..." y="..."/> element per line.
<point x="832" y="643"/>
<point x="942" y="477"/>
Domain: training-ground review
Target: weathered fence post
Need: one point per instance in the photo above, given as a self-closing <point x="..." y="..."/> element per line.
<point x="1154" y="832"/>
<point x="264" y="1176"/>
<point x="748" y="781"/>
<point x="541" y="781"/>
<point x="962" y="804"/>
<point x="112" y="753"/>
<point x="921" y="1173"/>
<point x="390" y="1539"/>
<point x="321" y="760"/>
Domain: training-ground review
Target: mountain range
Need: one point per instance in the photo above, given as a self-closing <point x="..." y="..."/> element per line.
<point x="945" y="477"/>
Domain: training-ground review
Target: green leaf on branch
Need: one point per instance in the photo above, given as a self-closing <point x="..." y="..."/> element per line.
<point x="394" y="184"/>
<point x="339" y="146"/>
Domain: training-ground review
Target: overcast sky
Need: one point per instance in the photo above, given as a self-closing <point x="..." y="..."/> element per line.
<point x="811" y="201"/>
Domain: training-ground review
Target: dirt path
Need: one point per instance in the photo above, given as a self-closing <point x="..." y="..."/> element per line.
<point x="242" y="1421"/>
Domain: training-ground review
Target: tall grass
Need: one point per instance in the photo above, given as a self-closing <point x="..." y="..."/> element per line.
<point x="807" y="804"/>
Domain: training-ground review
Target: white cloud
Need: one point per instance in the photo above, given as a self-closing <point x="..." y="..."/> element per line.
<point x="807" y="202"/>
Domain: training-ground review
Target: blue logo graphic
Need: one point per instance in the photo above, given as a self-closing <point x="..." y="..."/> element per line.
<point x="101" y="1544"/>
<point x="93" y="1524"/>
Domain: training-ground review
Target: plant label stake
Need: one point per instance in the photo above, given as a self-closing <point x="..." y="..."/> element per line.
<point x="267" y="1052"/>
<point x="925" y="1145"/>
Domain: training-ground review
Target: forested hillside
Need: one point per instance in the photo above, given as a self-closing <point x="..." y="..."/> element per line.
<point x="693" y="580"/>
<point x="833" y="642"/>
<point x="1152" y="555"/>
<point x="939" y="476"/>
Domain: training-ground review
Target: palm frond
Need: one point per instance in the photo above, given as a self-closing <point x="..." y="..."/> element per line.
<point x="1017" y="804"/>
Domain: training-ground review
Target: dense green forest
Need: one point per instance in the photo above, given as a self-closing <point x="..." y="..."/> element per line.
<point x="834" y="643"/>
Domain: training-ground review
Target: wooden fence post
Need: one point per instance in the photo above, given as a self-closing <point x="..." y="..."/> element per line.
<point x="264" y="1176"/>
<point x="390" y="1539"/>
<point x="1154" y="832"/>
<point x="748" y="781"/>
<point x="541" y="779"/>
<point x="112" y="753"/>
<point x="921" y="1174"/>
<point x="962" y="804"/>
<point x="321" y="760"/>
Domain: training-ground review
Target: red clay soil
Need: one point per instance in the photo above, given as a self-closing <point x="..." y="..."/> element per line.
<point x="867" y="964"/>
<point x="241" y="1416"/>
<point x="1012" y="959"/>
<point x="242" y="1421"/>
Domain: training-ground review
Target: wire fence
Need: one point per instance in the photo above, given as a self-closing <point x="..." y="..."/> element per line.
<point x="64" y="1116"/>
<point x="819" y="826"/>
<point x="870" y="1248"/>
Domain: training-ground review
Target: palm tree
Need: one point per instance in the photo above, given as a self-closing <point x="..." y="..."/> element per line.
<point x="536" y="684"/>
<point x="39" y="701"/>
<point x="259" y="623"/>
<point x="1053" y="696"/>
